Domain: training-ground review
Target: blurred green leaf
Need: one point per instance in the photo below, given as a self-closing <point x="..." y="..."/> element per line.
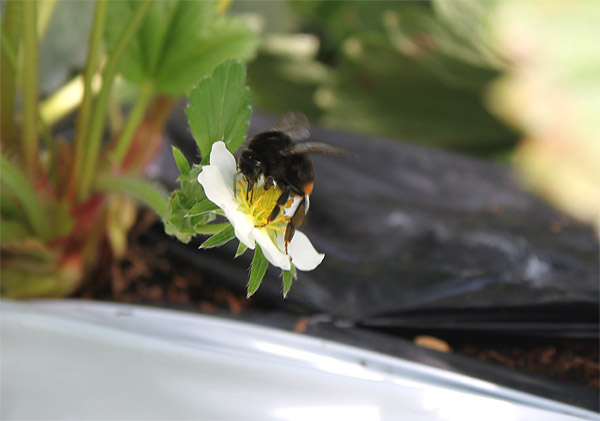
<point x="134" y="187"/>
<point x="378" y="90"/>
<point x="25" y="195"/>
<point x="220" y="108"/>
<point x="257" y="270"/>
<point x="220" y="238"/>
<point x="179" y="42"/>
<point x="287" y="78"/>
<point x="11" y="230"/>
<point x="36" y="270"/>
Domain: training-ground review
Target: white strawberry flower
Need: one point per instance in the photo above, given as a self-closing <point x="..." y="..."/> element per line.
<point x="227" y="188"/>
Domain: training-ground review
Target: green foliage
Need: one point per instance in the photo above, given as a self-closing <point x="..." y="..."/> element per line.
<point x="203" y="207"/>
<point x="15" y="184"/>
<point x="181" y="161"/>
<point x="257" y="270"/>
<point x="222" y="237"/>
<point x="134" y="187"/>
<point x="241" y="249"/>
<point x="178" y="222"/>
<point x="58" y="201"/>
<point x="179" y="41"/>
<point x="397" y="69"/>
<point x="400" y="94"/>
<point x="288" y="277"/>
<point x="219" y="108"/>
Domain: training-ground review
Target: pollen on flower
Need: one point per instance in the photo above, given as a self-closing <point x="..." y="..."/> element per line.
<point x="260" y="203"/>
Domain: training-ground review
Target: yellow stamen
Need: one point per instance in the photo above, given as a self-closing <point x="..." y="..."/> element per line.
<point x="261" y="203"/>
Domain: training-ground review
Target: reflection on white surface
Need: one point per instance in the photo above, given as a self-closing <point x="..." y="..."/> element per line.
<point x="462" y="407"/>
<point x="65" y="360"/>
<point x="328" y="413"/>
<point x="322" y="362"/>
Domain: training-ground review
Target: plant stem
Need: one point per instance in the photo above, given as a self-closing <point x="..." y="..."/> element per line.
<point x="92" y="146"/>
<point x="30" y="89"/>
<point x="133" y="121"/>
<point x="45" y="11"/>
<point x="85" y="110"/>
<point x="10" y="41"/>
<point x="8" y="51"/>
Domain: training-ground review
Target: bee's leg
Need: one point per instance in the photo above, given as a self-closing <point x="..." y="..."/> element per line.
<point x="269" y="182"/>
<point x="289" y="234"/>
<point x="296" y="221"/>
<point x="250" y="190"/>
<point x="283" y="198"/>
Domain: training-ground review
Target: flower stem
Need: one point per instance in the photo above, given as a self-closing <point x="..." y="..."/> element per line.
<point x="92" y="146"/>
<point x="85" y="110"/>
<point x="29" y="130"/>
<point x="8" y="71"/>
<point x="45" y="10"/>
<point x="133" y="121"/>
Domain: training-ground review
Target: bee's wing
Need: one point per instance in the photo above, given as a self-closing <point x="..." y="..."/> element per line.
<point x="316" y="147"/>
<point x="295" y="125"/>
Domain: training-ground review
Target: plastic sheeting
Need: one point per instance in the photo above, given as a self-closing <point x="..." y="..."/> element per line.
<point x="422" y="239"/>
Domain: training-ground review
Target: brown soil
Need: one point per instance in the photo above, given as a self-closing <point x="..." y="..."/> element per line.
<point x="147" y="275"/>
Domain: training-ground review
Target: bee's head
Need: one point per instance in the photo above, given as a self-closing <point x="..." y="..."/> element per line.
<point x="250" y="165"/>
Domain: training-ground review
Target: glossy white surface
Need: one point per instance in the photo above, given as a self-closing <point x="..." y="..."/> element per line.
<point x="85" y="360"/>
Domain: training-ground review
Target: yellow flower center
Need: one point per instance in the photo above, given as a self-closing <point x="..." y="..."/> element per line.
<point x="259" y="204"/>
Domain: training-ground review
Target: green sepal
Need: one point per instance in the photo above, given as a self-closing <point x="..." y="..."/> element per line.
<point x="201" y="208"/>
<point x="240" y="250"/>
<point x="288" y="277"/>
<point x="257" y="271"/>
<point x="181" y="161"/>
<point x="220" y="238"/>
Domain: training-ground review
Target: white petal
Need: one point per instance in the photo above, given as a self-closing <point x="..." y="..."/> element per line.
<point x="242" y="226"/>
<point x="224" y="160"/>
<point x="273" y="254"/>
<point x="219" y="190"/>
<point x="303" y="254"/>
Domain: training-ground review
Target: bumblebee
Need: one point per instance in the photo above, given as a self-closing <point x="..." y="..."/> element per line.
<point x="276" y="156"/>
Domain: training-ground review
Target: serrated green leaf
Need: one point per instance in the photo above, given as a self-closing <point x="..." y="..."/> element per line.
<point x="220" y="238"/>
<point x="201" y="208"/>
<point x="240" y="250"/>
<point x="220" y="108"/>
<point x="181" y="161"/>
<point x="178" y="43"/>
<point x="257" y="271"/>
